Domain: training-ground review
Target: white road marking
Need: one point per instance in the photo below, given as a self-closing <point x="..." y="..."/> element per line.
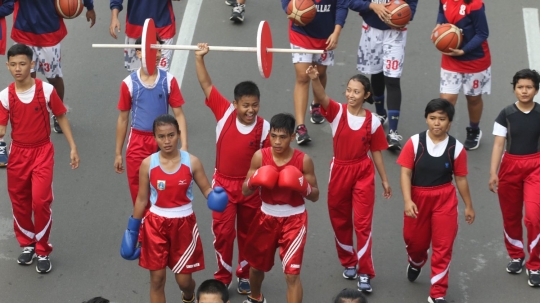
<point x="532" y="35"/>
<point x="187" y="29"/>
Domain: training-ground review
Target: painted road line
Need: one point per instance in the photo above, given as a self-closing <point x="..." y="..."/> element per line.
<point x="532" y="35"/>
<point x="187" y="29"/>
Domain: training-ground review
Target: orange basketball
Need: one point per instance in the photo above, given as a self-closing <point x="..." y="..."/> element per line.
<point x="301" y="12"/>
<point x="400" y="13"/>
<point x="447" y="36"/>
<point x="68" y="9"/>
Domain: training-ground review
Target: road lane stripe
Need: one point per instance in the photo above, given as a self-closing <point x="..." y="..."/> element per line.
<point x="532" y="35"/>
<point x="187" y="29"/>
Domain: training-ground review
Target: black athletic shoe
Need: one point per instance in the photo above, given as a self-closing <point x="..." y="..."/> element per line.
<point x="302" y="136"/>
<point x="364" y="283"/>
<point x="238" y="12"/>
<point x="3" y="154"/>
<point x="515" y="266"/>
<point x="44" y="264"/>
<point x="393" y="140"/>
<point x="230" y="2"/>
<point x="56" y="126"/>
<point x="316" y="116"/>
<point x="413" y="272"/>
<point x="381" y="118"/>
<point x="473" y="138"/>
<point x="534" y="277"/>
<point x="27" y="255"/>
<point x="438" y="300"/>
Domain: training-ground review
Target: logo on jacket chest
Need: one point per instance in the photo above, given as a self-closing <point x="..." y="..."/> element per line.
<point x="161" y="184"/>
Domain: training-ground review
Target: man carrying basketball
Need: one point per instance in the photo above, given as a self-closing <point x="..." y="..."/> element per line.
<point x="284" y="177"/>
<point x="381" y="54"/>
<point x="137" y="12"/>
<point x="37" y="24"/>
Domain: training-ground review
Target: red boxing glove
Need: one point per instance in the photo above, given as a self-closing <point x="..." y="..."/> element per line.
<point x="292" y="178"/>
<point x="266" y="176"/>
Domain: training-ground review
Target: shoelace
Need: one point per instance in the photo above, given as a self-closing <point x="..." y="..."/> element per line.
<point x="242" y="280"/>
<point x="28" y="250"/>
<point x="364" y="279"/>
<point x="301" y="130"/>
<point x="43" y="258"/>
<point x="238" y="8"/>
<point x="2" y="150"/>
<point x="516" y="261"/>
<point x="534" y="272"/>
<point x="316" y="110"/>
<point x="394" y="135"/>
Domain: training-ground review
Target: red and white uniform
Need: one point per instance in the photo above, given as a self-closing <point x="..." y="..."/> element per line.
<point x="169" y="234"/>
<point x="435" y="196"/>
<point x="31" y="160"/>
<point x="280" y="223"/>
<point x="146" y="103"/>
<point x="230" y="175"/>
<point x="351" y="188"/>
<point x="519" y="179"/>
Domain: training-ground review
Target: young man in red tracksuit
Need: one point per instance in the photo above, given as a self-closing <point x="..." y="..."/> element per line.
<point x="351" y="189"/>
<point x="161" y="11"/>
<point x="518" y="177"/>
<point x="26" y="104"/>
<point x="428" y="161"/>
<point x="236" y="122"/>
<point x="284" y="177"/>
<point x="37" y="24"/>
<point x="146" y="97"/>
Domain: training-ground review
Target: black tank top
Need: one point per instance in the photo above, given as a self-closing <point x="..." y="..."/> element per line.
<point x="433" y="171"/>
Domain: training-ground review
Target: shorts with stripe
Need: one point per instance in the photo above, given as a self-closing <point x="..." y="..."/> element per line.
<point x="268" y="233"/>
<point x="473" y="84"/>
<point x="172" y="242"/>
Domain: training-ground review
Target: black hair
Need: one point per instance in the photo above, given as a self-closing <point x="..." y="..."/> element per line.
<point x="527" y="74"/>
<point x="467" y="1"/>
<point x="20" y="49"/>
<point x="350" y="294"/>
<point x="246" y="88"/>
<point x="164" y="120"/>
<point x="440" y="104"/>
<point x="139" y="41"/>
<point x="367" y="86"/>
<point x="283" y="121"/>
<point x="213" y="286"/>
<point x="97" y="300"/>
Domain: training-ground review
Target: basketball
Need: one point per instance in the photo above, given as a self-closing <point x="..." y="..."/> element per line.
<point x="447" y="36"/>
<point x="69" y="9"/>
<point x="400" y="14"/>
<point x="301" y="12"/>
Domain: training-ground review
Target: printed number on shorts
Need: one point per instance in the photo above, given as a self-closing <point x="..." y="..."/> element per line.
<point x="392" y="64"/>
<point x="45" y="66"/>
<point x="462" y="10"/>
<point x="163" y="62"/>
<point x="475" y="84"/>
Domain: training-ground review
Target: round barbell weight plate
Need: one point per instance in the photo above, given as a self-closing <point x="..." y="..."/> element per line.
<point x="264" y="42"/>
<point x="149" y="54"/>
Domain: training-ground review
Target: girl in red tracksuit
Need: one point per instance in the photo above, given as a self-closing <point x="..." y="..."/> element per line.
<point x="518" y="179"/>
<point x="352" y="178"/>
<point x="428" y="162"/>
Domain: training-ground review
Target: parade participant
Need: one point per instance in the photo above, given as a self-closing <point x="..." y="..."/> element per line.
<point x="470" y="66"/>
<point x="381" y="54"/>
<point x="161" y="11"/>
<point x="284" y="177"/>
<point x="37" y="24"/>
<point x="516" y="184"/>
<point x="147" y="97"/>
<point x="323" y="34"/>
<point x="351" y="189"/>
<point x="236" y="122"/>
<point x="428" y="161"/>
<point x="26" y="104"/>
<point x="169" y="234"/>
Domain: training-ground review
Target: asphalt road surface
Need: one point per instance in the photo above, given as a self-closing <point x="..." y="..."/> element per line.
<point x="92" y="203"/>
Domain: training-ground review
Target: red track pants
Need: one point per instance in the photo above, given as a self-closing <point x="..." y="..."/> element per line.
<point x="29" y="180"/>
<point x="519" y="184"/>
<point x="351" y="193"/>
<point x="140" y="145"/>
<point x="436" y="222"/>
<point x="239" y="213"/>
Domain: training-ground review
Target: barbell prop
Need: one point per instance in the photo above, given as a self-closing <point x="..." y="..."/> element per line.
<point x="264" y="50"/>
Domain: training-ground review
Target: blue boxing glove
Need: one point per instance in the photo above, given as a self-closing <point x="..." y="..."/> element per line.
<point x="218" y="199"/>
<point x="129" y="249"/>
